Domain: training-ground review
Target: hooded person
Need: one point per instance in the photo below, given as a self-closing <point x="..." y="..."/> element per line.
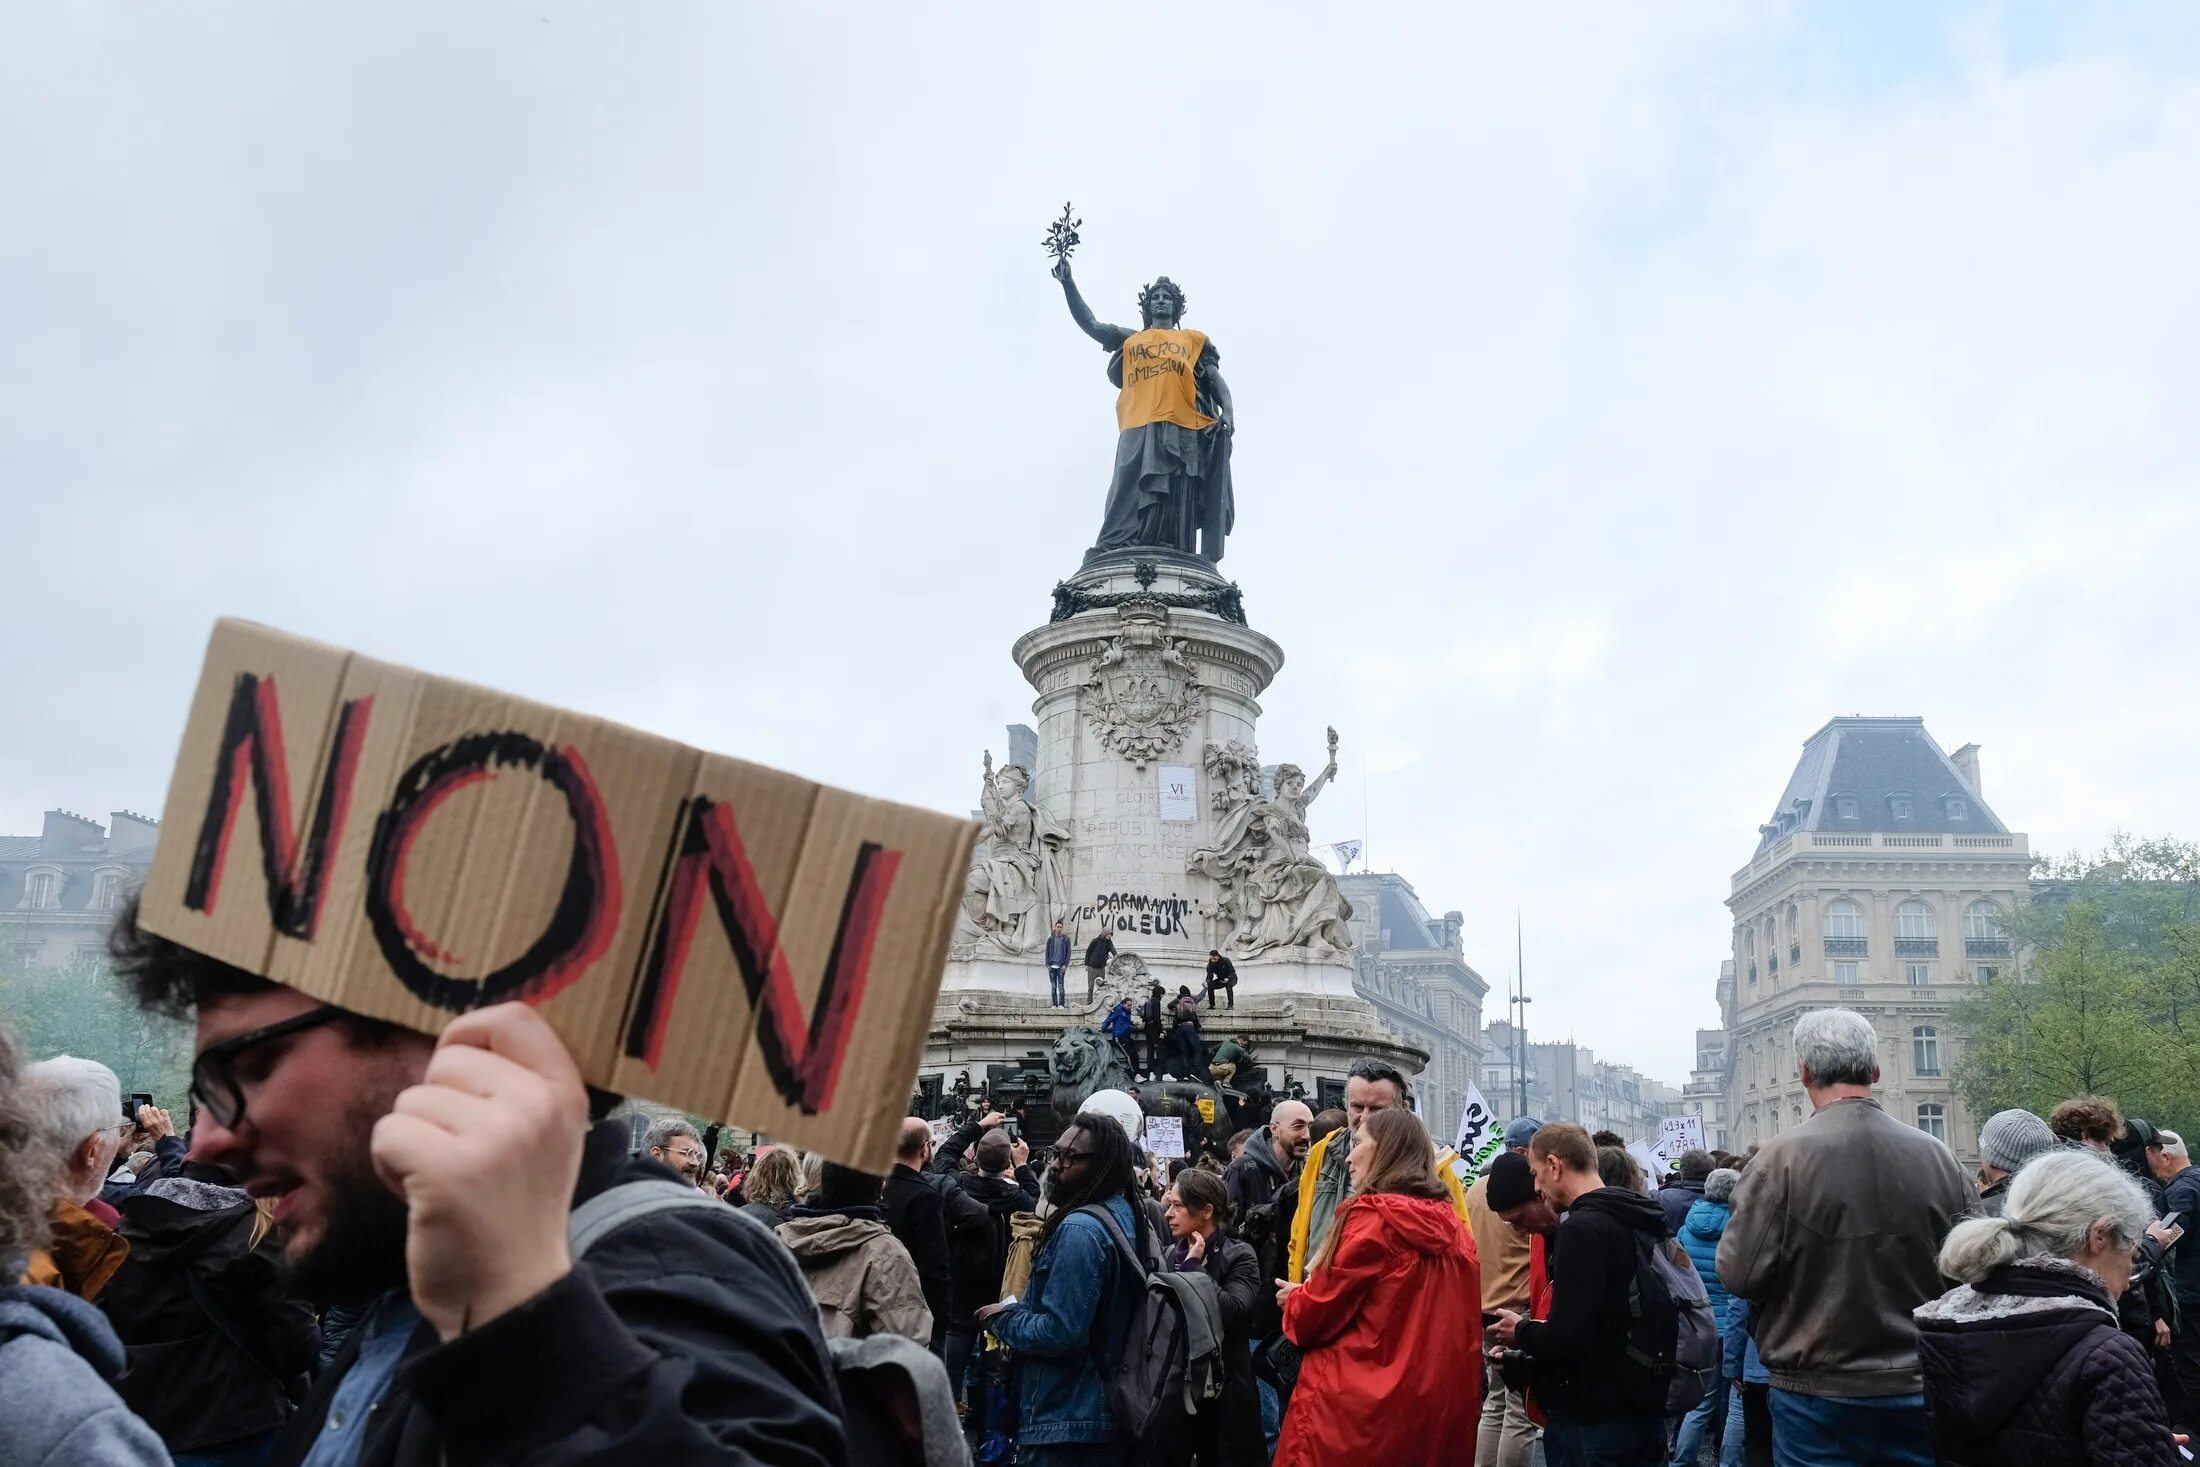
<point x="1387" y="1322"/>
<point x="864" y="1279"/>
<point x="2023" y="1360"/>
<point x="1699" y="1236"/>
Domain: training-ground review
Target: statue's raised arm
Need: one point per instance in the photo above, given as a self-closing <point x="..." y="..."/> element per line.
<point x="1109" y="337"/>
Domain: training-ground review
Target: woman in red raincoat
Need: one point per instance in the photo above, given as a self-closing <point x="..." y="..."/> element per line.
<point x="1390" y="1317"/>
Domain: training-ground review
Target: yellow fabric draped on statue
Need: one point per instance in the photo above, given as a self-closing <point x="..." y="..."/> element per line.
<point x="1159" y="386"/>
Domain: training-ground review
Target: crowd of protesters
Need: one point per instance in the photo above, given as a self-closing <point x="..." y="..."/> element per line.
<point x="378" y="1249"/>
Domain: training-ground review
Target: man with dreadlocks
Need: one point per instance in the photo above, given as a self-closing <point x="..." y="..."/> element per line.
<point x="1171" y="487"/>
<point x="1080" y="1296"/>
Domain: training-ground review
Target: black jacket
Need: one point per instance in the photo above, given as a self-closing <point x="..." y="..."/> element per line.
<point x="1254" y="1178"/>
<point x="916" y="1213"/>
<point x="1221" y="973"/>
<point x="2029" y="1367"/>
<point x="1675" y="1198"/>
<point x="1579" y="1350"/>
<point x="1099" y="950"/>
<point x="2181" y="1195"/>
<point x="686" y="1336"/>
<point x="1235" y="1422"/>
<point x="216" y="1351"/>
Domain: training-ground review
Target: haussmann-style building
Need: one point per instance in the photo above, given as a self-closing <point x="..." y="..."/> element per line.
<point x="1880" y="884"/>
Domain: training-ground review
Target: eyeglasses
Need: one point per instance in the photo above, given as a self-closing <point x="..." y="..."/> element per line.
<point x="214" y="1082"/>
<point x="1065" y="1156"/>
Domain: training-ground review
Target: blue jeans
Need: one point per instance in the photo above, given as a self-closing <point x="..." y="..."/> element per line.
<point x="1632" y="1441"/>
<point x="1699" y="1423"/>
<point x="1850" y="1431"/>
<point x="1054" y="981"/>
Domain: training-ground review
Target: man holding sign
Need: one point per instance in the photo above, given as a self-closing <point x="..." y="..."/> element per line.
<point x="430" y="1180"/>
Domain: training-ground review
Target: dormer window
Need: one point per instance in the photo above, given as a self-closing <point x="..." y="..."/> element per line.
<point x="1898" y="806"/>
<point x="1844" y="807"/>
<point x="41" y="889"/>
<point x="1958" y="808"/>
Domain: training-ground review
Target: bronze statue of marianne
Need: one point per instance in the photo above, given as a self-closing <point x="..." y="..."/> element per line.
<point x="1171" y="487"/>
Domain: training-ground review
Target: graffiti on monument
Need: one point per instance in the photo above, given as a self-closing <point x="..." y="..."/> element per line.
<point x="1126" y="911"/>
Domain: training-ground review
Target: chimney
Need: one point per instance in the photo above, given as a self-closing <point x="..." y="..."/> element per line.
<point x="1965" y="760"/>
<point x="66" y="833"/>
<point x="130" y="832"/>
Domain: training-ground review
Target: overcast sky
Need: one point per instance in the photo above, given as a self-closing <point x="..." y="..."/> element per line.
<point x="1622" y="393"/>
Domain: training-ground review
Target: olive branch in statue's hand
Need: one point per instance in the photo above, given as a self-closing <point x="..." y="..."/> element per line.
<point x="1061" y="240"/>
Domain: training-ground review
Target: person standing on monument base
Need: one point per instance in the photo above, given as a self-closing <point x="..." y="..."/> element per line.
<point x="1171" y="485"/>
<point x="1057" y="964"/>
<point x="1098" y="954"/>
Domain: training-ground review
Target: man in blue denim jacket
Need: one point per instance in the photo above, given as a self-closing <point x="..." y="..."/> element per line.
<point x="1075" y="1315"/>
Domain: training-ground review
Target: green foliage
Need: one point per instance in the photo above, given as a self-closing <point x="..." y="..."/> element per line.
<point x="2107" y="1000"/>
<point x="83" y="1009"/>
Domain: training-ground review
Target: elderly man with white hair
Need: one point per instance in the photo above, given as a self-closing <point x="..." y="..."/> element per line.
<point x="75" y="1109"/>
<point x="1833" y="1240"/>
<point x="2169" y="1159"/>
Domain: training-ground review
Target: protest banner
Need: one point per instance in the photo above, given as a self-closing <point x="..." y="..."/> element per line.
<point x="1165" y="1136"/>
<point x="701" y="932"/>
<point x="1479" y="1139"/>
<point x="1676" y="1134"/>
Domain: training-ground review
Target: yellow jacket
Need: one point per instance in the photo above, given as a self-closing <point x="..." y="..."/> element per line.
<point x="1302" y="1221"/>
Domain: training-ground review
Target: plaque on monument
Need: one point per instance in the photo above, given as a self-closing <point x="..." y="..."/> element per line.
<point x="1179" y="794"/>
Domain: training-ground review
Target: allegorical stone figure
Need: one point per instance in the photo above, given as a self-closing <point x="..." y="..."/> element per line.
<point x="1017" y="882"/>
<point x="1171" y="486"/>
<point x="1275" y="893"/>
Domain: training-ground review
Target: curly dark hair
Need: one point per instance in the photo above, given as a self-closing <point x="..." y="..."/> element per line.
<point x="23" y="1168"/>
<point x="167" y="977"/>
<point x="2087" y="1118"/>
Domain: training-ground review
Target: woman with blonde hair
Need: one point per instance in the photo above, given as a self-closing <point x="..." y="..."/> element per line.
<point x="2023" y="1359"/>
<point x="773" y="1185"/>
<point x="1389" y="1317"/>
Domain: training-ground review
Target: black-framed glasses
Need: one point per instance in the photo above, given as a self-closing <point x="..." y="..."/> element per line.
<point x="214" y="1083"/>
<point x="1065" y="1156"/>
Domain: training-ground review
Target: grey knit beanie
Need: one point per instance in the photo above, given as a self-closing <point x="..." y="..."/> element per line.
<point x="2010" y="1138"/>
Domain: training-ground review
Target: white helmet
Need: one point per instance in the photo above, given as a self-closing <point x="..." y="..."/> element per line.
<point x="1117" y="1106"/>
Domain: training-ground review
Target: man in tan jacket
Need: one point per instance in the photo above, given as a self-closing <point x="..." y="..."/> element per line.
<point x="864" y="1279"/>
<point x="1507" y="1437"/>
<point x="1836" y="1227"/>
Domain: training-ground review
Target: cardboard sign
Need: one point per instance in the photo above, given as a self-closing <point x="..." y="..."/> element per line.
<point x="701" y="932"/>
<point x="1165" y="1136"/>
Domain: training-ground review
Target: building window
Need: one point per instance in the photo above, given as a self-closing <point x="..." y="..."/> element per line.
<point x="1919" y="974"/>
<point x="1845" y="929"/>
<point x="1898" y="806"/>
<point x="1916" y="931"/>
<point x="26" y="953"/>
<point x="1932" y="1119"/>
<point x="1844" y="807"/>
<point x="1958" y="808"/>
<point x="1845" y="973"/>
<point x="1925" y="1050"/>
<point x="107" y="890"/>
<point x="1988" y="972"/>
<point x="42" y="889"/>
<point x="1753" y="975"/>
<point x="1749" y="942"/>
<point x="1983" y="935"/>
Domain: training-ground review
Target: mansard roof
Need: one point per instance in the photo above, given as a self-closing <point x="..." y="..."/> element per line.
<point x="1874" y="766"/>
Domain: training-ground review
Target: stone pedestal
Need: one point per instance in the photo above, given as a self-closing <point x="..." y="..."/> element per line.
<point x="1148" y="681"/>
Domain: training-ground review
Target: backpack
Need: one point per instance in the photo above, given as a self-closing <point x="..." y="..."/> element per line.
<point x="1672" y="1339"/>
<point x="1172" y="1358"/>
<point x="885" y="1382"/>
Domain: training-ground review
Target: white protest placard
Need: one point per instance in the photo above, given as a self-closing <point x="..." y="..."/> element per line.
<point x="1646" y="1157"/>
<point x="1179" y="788"/>
<point x="1165" y="1136"/>
<point x="1479" y="1139"/>
<point x="1681" y="1133"/>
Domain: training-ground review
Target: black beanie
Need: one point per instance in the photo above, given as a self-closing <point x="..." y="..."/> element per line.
<point x="1512" y="1182"/>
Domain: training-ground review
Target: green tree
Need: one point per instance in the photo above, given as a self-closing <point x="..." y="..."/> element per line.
<point x="83" y="1009"/>
<point x="2106" y="994"/>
